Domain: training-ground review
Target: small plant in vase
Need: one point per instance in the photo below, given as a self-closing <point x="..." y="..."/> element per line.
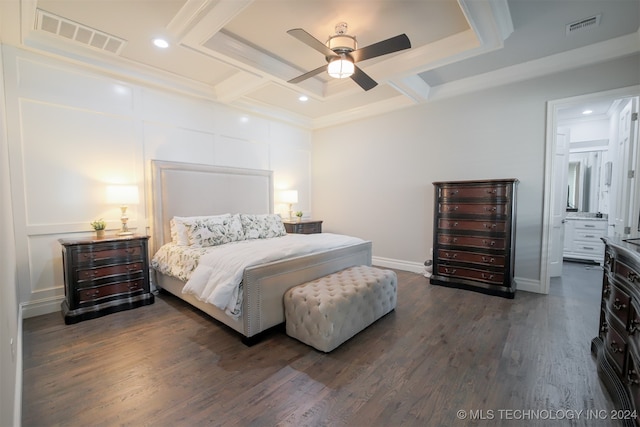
<point x="299" y="215"/>
<point x="99" y="226"/>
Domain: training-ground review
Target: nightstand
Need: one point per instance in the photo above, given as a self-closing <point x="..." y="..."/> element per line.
<point x="303" y="227"/>
<point x="104" y="276"/>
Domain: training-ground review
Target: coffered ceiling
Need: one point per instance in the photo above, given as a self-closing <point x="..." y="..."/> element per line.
<point x="238" y="52"/>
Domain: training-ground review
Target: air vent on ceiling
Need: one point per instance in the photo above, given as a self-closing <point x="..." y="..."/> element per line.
<point x="53" y="24"/>
<point x="583" y="24"/>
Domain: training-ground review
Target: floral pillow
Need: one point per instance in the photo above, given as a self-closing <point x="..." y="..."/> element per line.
<point x="179" y="230"/>
<point x="262" y="226"/>
<point x="235" y="232"/>
<point x="210" y="231"/>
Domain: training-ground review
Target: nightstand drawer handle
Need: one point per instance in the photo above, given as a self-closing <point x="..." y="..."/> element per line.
<point x="489" y="260"/>
<point x="448" y="255"/>
<point x="452" y="271"/>
<point x="492" y="191"/>
<point x="490" y="225"/>
<point x="632" y="276"/>
<point x="618" y="306"/>
<point x="485" y="276"/>
<point x="490" y="208"/>
<point x="615" y="348"/>
<point x="633" y="326"/>
<point x="489" y="242"/>
<point x="632" y="377"/>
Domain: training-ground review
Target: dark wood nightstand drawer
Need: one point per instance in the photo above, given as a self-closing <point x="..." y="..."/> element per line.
<point x="134" y="252"/>
<point x="111" y="270"/>
<point x="97" y="293"/>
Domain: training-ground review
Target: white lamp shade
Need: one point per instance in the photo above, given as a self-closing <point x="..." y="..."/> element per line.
<point x="289" y="196"/>
<point x="122" y="194"/>
<point x="340" y="68"/>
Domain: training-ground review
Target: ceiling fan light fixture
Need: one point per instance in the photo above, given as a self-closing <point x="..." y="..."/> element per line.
<point x="341" y="68"/>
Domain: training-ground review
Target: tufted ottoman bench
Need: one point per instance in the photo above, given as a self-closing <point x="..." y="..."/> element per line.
<point x="327" y="311"/>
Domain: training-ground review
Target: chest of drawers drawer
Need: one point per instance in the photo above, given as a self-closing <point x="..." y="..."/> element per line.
<point x="472" y="225"/>
<point x="471" y="257"/>
<point x="485" y="209"/>
<point x="104" y="276"/>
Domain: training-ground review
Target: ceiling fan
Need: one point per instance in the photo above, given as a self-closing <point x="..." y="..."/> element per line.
<point x="341" y="52"/>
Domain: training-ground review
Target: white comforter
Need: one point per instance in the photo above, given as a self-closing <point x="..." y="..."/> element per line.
<point x="216" y="279"/>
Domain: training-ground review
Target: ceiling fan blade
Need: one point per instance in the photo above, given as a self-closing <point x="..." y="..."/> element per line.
<point x="363" y="79"/>
<point x="394" y="44"/>
<point x="311" y="41"/>
<point x="305" y="76"/>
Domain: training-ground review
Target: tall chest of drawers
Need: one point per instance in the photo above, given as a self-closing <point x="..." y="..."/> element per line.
<point x="474" y="235"/>
<point x="104" y="276"/>
<point x="617" y="346"/>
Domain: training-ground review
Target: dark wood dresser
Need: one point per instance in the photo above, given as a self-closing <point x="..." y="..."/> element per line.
<point x="474" y="235"/>
<point x="617" y="346"/>
<point x="104" y="276"/>
<point x="306" y="226"/>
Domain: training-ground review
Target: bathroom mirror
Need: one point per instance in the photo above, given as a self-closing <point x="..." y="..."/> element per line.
<point x="587" y="176"/>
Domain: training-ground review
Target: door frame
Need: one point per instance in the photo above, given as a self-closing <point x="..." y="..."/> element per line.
<point x="550" y="146"/>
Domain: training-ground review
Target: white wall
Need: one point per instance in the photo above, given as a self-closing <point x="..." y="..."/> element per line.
<point x="9" y="342"/>
<point x="72" y="131"/>
<point x="373" y="178"/>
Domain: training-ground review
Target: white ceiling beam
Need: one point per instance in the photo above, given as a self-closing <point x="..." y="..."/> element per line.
<point x="218" y="14"/>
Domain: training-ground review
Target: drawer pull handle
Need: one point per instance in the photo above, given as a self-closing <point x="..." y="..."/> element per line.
<point x="492" y="191"/>
<point x="490" y="260"/>
<point x="490" y="243"/>
<point x="607" y="291"/>
<point x="633" y="326"/>
<point x="632" y="276"/>
<point x="615" y="348"/>
<point x="490" y="225"/>
<point x="129" y="251"/>
<point x="589" y="226"/>
<point x="618" y="306"/>
<point x="455" y="224"/>
<point x="589" y="235"/>
<point x="450" y="271"/>
<point x="604" y="328"/>
<point x="448" y="255"/>
<point x="489" y="277"/>
<point x="588" y="248"/>
<point x="632" y="377"/>
<point x="490" y="208"/>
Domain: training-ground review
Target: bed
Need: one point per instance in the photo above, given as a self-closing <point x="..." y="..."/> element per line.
<point x="187" y="190"/>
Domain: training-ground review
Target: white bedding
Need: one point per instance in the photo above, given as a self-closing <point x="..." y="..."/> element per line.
<point x="217" y="277"/>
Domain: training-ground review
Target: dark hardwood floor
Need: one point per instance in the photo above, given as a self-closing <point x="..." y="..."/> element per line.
<point x="506" y="362"/>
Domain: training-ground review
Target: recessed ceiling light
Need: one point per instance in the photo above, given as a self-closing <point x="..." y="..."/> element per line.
<point x="161" y="43"/>
<point x="303" y="98"/>
<point x="587" y="112"/>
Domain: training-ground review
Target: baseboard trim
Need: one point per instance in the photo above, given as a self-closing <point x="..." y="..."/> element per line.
<point x="414" y="267"/>
<point x="17" y="397"/>
<point x="39" y="307"/>
<point x="529" y="285"/>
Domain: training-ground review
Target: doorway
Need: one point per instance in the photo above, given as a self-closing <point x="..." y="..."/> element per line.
<point x="554" y="203"/>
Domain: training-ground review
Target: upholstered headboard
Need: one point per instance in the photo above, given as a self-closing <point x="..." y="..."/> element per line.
<point x="188" y="189"/>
